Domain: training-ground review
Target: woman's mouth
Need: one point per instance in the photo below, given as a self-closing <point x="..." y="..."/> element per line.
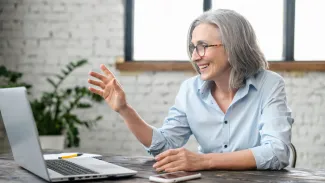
<point x="204" y="67"/>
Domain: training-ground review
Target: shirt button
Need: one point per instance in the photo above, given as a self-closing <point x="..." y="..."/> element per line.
<point x="225" y="146"/>
<point x="226" y="122"/>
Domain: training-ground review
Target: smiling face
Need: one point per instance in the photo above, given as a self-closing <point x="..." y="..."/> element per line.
<point x="214" y="63"/>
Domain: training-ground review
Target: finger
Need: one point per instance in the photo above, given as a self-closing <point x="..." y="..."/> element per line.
<point x="99" y="76"/>
<point x="165" y="161"/>
<point x="166" y="153"/>
<point x="170" y="165"/>
<point x="97" y="83"/>
<point x="106" y="71"/>
<point x="175" y="169"/>
<point x="94" y="90"/>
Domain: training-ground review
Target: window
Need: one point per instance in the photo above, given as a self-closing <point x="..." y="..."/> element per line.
<point x="266" y="18"/>
<point x="160" y="28"/>
<point x="286" y="30"/>
<point x="309" y="30"/>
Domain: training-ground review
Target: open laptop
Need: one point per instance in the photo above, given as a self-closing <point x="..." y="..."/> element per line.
<point x="23" y="137"/>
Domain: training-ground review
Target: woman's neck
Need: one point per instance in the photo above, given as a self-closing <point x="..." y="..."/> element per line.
<point x="222" y="87"/>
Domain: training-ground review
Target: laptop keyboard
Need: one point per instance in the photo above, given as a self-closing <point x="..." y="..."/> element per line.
<point x="67" y="168"/>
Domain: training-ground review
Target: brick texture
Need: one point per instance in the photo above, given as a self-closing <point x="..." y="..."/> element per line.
<point x="38" y="37"/>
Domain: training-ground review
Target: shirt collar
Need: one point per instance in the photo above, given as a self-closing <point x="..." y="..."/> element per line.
<point x="252" y="81"/>
<point x="205" y="85"/>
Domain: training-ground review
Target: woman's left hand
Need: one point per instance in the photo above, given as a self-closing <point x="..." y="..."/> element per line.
<point x="179" y="160"/>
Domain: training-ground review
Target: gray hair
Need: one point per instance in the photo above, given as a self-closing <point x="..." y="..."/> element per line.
<point x="239" y="40"/>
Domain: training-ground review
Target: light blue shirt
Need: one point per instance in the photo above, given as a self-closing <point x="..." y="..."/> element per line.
<point x="258" y="119"/>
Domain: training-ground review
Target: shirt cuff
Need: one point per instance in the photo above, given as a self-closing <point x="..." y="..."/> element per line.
<point x="157" y="142"/>
<point x="264" y="157"/>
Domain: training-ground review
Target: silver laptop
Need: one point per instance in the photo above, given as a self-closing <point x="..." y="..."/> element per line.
<point x="23" y="137"/>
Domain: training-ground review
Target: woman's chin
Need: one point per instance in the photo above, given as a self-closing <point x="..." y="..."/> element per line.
<point x="204" y="77"/>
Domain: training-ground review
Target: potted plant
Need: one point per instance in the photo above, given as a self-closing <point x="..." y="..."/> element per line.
<point x="53" y="112"/>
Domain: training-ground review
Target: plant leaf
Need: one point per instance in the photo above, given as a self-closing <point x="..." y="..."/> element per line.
<point x="81" y="62"/>
<point x="83" y="105"/>
<point x="73" y="64"/>
<point x="59" y="76"/>
<point x="99" y="118"/>
<point x="52" y="82"/>
<point x="64" y="72"/>
<point x="69" y="68"/>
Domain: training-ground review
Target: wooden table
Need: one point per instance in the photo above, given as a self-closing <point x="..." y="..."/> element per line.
<point x="10" y="172"/>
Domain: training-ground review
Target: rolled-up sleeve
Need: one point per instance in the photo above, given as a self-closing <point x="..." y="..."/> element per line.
<point x="175" y="131"/>
<point x="275" y="131"/>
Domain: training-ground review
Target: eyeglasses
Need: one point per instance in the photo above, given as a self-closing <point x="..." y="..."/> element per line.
<point x="200" y="48"/>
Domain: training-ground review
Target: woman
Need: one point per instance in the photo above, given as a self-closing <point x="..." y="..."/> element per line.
<point x="235" y="108"/>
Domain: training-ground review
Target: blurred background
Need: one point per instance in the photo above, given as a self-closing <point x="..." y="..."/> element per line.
<point x="50" y="46"/>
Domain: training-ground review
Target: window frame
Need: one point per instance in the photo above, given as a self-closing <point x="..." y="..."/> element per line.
<point x="287" y="64"/>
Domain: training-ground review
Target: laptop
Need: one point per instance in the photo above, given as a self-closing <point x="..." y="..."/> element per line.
<point x="18" y="119"/>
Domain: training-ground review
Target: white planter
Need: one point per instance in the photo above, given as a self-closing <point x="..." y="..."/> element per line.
<point x="52" y="142"/>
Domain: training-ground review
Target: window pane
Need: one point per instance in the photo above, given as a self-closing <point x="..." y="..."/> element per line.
<point x="161" y="26"/>
<point x="309" y="30"/>
<point x="266" y="18"/>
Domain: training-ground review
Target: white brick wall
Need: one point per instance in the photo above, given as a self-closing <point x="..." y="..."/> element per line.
<point x="38" y="37"/>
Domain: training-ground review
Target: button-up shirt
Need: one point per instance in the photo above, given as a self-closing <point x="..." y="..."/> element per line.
<point x="258" y="119"/>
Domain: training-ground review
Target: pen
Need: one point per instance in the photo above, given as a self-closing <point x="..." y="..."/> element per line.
<point x="70" y="156"/>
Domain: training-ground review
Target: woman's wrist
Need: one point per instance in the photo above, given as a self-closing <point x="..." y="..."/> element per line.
<point x="125" y="110"/>
<point x="206" y="161"/>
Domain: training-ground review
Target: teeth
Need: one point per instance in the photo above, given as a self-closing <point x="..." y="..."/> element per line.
<point x="204" y="66"/>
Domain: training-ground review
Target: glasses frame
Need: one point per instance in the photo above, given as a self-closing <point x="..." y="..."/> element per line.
<point x="204" y="48"/>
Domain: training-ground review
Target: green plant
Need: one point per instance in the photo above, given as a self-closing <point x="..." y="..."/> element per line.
<point x="10" y="79"/>
<point x="53" y="111"/>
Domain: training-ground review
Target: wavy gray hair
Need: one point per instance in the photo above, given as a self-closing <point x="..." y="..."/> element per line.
<point x="239" y="40"/>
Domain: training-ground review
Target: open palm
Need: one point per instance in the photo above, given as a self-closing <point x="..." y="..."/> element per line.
<point x="110" y="89"/>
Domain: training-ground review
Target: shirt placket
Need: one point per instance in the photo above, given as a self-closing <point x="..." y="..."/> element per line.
<point x="225" y="134"/>
<point x="225" y="124"/>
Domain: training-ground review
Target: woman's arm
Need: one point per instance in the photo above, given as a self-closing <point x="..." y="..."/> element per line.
<point x="182" y="159"/>
<point x="239" y="160"/>
<point x="110" y="89"/>
<point x="173" y="134"/>
<point x="137" y="125"/>
<point x="275" y="130"/>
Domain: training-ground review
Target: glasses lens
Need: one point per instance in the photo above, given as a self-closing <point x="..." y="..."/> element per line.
<point x="191" y="49"/>
<point x="200" y="50"/>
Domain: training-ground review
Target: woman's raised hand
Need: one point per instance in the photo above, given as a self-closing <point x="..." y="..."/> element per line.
<point x="110" y="89"/>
